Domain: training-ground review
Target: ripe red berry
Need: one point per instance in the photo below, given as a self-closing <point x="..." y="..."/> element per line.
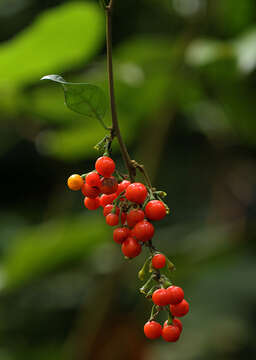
<point x="108" y="185"/>
<point x="143" y="231"/>
<point x="122" y="186"/>
<point x="170" y="333"/>
<point x="75" y="182"/>
<point x="134" y="216"/>
<point x="131" y="248"/>
<point x="112" y="219"/>
<point x="152" y="330"/>
<point x="108" y="209"/>
<point x="155" y="210"/>
<point x="93" y="179"/>
<point x="90" y="191"/>
<point x="121" y="234"/>
<point x="175" y="322"/>
<point x="176" y="294"/>
<point x="160" y="297"/>
<point x="123" y="217"/>
<point x="136" y="192"/>
<point x="158" y="261"/>
<point x="180" y="309"/>
<point x="91" y="204"/>
<point x="105" y="166"/>
<point x="107" y="199"/>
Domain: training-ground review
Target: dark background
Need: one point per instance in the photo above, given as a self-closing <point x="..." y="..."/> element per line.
<point x="185" y="83"/>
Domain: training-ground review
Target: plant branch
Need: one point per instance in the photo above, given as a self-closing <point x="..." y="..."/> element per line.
<point x="115" y="131"/>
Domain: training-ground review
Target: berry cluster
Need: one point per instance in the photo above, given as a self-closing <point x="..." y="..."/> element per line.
<point x="131" y="207"/>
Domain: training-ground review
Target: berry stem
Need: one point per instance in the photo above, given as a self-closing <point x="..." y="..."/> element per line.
<point x="115" y="131"/>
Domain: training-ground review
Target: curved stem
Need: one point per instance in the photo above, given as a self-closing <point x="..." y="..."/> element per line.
<point x="115" y="131"/>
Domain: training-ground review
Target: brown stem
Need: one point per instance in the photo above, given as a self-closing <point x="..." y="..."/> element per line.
<point x="115" y="125"/>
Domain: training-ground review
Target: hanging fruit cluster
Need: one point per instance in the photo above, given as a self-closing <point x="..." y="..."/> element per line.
<point x="131" y="207"/>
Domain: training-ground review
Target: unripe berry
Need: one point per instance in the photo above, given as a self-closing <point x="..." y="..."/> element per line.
<point x="121" y="234"/>
<point x="143" y="231"/>
<point x="75" y="182"/>
<point x="108" y="185"/>
<point x="160" y="297"/>
<point x="105" y="166"/>
<point x="170" y="333"/>
<point x="158" y="261"/>
<point x="136" y="192"/>
<point x="107" y="199"/>
<point x="91" y="204"/>
<point x="152" y="330"/>
<point x="176" y="294"/>
<point x="131" y="248"/>
<point x="112" y="219"/>
<point x="155" y="210"/>
<point x="90" y="191"/>
<point x="93" y="179"/>
<point x="134" y="216"/>
<point x="180" y="309"/>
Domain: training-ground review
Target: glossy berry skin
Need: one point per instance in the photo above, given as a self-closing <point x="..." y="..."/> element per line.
<point x="131" y="248"/>
<point x="93" y="179"/>
<point x="155" y="210"/>
<point x="134" y="216"/>
<point x="176" y="294"/>
<point x="112" y="219"/>
<point x="122" y="186"/>
<point x="160" y="297"/>
<point x="108" y="209"/>
<point x="136" y="192"/>
<point x="90" y="191"/>
<point x="91" y="204"/>
<point x="107" y="199"/>
<point x="170" y="333"/>
<point x="75" y="182"/>
<point x="175" y="322"/>
<point x="108" y="185"/>
<point x="105" y="166"/>
<point x="152" y="330"/>
<point x="180" y="309"/>
<point x="158" y="261"/>
<point x="121" y="234"/>
<point x="143" y="231"/>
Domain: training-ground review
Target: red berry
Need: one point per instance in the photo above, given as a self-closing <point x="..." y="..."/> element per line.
<point x="121" y="234"/>
<point x="112" y="219"/>
<point x="160" y="297"/>
<point x="143" y="230"/>
<point x="122" y="186"/>
<point x="175" y="322"/>
<point x="134" y="216"/>
<point x="170" y="333"/>
<point x="75" y="182"/>
<point x="152" y="330"/>
<point x="90" y="191"/>
<point x="108" y="209"/>
<point x="93" y="179"/>
<point x="108" y="185"/>
<point x="107" y="199"/>
<point x="158" y="261"/>
<point x="180" y="309"/>
<point x="136" y="192"/>
<point x="105" y="166"/>
<point x="91" y="204"/>
<point x="176" y="294"/>
<point x="123" y="217"/>
<point x="155" y="210"/>
<point x="131" y="248"/>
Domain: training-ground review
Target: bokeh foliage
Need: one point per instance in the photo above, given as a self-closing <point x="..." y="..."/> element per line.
<point x="185" y="78"/>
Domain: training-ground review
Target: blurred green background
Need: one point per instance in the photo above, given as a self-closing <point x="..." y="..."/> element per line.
<point x="185" y="80"/>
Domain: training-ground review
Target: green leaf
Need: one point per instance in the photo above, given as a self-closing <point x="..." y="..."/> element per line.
<point x="83" y="98"/>
<point x="60" y="39"/>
